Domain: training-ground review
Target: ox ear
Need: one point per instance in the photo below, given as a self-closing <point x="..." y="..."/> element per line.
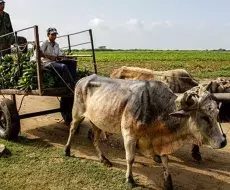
<point x="180" y="114"/>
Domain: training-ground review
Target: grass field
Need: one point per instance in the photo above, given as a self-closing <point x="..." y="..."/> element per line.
<point x="35" y="164"/>
<point x="201" y="64"/>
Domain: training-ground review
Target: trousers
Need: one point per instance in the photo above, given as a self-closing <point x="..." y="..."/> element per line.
<point x="66" y="69"/>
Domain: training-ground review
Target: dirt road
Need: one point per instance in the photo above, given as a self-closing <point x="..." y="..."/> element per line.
<point x="212" y="173"/>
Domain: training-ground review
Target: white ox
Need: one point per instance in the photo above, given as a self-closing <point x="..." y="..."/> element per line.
<point x="179" y="81"/>
<point x="148" y="115"/>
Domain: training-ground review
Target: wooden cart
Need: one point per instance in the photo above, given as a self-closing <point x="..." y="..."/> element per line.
<point x="9" y="116"/>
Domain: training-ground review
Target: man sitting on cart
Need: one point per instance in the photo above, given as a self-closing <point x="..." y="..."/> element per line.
<point x="52" y="58"/>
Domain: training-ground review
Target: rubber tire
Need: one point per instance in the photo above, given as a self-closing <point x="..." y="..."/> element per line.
<point x="12" y="120"/>
<point x="66" y="105"/>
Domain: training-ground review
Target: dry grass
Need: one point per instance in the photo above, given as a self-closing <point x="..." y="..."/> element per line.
<point x="35" y="164"/>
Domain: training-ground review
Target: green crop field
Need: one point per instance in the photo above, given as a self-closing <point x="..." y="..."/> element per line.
<point x="201" y="64"/>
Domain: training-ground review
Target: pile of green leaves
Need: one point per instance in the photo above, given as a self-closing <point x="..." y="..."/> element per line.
<point x="23" y="76"/>
<point x="28" y="72"/>
<point x="8" y="71"/>
<point x="83" y="73"/>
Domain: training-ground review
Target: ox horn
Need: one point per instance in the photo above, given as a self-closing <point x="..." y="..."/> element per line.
<point x="187" y="101"/>
<point x="191" y="101"/>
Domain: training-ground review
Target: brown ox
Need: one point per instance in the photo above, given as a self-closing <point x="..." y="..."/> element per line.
<point x="148" y="115"/>
<point x="178" y="80"/>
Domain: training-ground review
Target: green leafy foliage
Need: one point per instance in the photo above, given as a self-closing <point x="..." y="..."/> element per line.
<point x="201" y="64"/>
<point x="28" y="80"/>
<point x="83" y="73"/>
<point x="7" y="72"/>
<point x="23" y="76"/>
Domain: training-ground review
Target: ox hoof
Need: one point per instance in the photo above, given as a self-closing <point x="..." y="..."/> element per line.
<point x="157" y="159"/>
<point x="67" y="151"/>
<point x="131" y="182"/>
<point x="107" y="163"/>
<point x="168" y="183"/>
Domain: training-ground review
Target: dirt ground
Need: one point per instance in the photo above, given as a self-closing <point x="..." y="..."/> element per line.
<point x="212" y="173"/>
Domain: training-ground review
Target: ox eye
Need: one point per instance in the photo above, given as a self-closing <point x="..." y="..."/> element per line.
<point x="206" y="119"/>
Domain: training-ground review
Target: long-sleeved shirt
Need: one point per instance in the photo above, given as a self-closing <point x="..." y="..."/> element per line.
<point x="5" y="27"/>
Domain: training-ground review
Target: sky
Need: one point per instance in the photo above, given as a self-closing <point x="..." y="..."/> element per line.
<point x="129" y="24"/>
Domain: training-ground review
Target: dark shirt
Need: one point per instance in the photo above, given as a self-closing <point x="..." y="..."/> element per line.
<point x="5" y="26"/>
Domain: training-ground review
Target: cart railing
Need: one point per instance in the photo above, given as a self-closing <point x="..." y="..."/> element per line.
<point x="41" y="91"/>
<point x="70" y="46"/>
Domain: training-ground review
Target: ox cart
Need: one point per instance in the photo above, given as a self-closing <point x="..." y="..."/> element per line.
<point x="9" y="115"/>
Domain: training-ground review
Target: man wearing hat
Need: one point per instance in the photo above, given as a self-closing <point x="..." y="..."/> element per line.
<point x="5" y="28"/>
<point x="51" y="58"/>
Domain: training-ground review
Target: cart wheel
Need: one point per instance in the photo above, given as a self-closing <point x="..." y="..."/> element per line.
<point x="9" y="120"/>
<point x="66" y="106"/>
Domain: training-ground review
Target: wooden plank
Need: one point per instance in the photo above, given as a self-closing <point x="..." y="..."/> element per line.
<point x="38" y="60"/>
<point x="18" y="92"/>
<point x="58" y="92"/>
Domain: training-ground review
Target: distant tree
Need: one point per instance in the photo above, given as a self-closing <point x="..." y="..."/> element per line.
<point x="221" y="49"/>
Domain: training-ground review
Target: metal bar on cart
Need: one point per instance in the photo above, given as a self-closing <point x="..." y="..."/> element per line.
<point x="77" y="45"/>
<point x="17" y="31"/>
<point x="93" y="51"/>
<point x="17" y="51"/>
<point x="222" y="97"/>
<point x="25" y="29"/>
<point x="73" y="33"/>
<point x="38" y="60"/>
<point x="28" y="115"/>
<point x="69" y="45"/>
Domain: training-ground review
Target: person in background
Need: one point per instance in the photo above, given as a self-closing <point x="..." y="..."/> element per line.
<point x="5" y="28"/>
<point x="51" y="58"/>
